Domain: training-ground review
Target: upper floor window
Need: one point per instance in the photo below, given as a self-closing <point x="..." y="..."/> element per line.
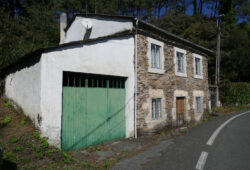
<point x="156" y="108"/>
<point x="198" y="66"/>
<point x="155" y="56"/>
<point x="180" y="62"/>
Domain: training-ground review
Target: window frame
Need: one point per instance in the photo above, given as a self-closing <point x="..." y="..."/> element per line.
<point x="201" y="66"/>
<point x="153" y="112"/>
<point x="177" y="73"/>
<point x="161" y="60"/>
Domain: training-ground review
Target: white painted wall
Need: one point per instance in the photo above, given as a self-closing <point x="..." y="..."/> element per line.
<point x="109" y="57"/>
<point x="24" y="87"/>
<point x="101" y="27"/>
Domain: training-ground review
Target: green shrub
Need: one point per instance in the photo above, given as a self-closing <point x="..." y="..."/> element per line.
<point x="6" y="120"/>
<point x="236" y="93"/>
<point x="23" y="122"/>
<point x="14" y="140"/>
<point x="49" y="152"/>
<point x="18" y="148"/>
<point x="108" y="163"/>
<point x="38" y="155"/>
<point x="93" y="149"/>
<point x="36" y="135"/>
<point x="66" y="158"/>
<point x="44" y="142"/>
<point x="8" y="104"/>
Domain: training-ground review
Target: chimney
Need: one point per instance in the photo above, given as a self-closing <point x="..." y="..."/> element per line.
<point x="63" y="25"/>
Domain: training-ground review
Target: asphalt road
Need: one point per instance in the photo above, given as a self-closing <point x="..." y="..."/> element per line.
<point x="230" y="148"/>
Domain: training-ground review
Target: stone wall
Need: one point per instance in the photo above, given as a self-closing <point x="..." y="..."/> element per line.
<point x="167" y="86"/>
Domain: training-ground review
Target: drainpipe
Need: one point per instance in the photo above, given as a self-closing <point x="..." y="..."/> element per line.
<point x="135" y="88"/>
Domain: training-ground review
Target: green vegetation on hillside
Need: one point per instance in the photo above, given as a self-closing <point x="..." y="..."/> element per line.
<point x="28" y="25"/>
<point x="236" y="93"/>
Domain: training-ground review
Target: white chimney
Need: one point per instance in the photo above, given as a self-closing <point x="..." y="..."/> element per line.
<point x="63" y="25"/>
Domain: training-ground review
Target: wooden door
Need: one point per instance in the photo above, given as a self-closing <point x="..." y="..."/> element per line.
<point x="180" y="108"/>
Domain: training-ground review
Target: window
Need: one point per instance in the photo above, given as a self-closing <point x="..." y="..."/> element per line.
<point x="155" y="56"/>
<point x="198" y="66"/>
<point x="156" y="108"/>
<point x="198" y="104"/>
<point x="180" y="62"/>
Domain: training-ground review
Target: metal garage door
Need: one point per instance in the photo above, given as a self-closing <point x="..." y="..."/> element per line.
<point x="93" y="109"/>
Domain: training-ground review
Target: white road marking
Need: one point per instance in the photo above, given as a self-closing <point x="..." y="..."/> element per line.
<point x="217" y="131"/>
<point x="202" y="161"/>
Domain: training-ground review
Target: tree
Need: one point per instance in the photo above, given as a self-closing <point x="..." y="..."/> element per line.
<point x="26" y="25"/>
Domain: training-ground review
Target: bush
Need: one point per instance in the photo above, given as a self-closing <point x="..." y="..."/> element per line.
<point x="8" y="104"/>
<point x="236" y="93"/>
<point x="6" y="120"/>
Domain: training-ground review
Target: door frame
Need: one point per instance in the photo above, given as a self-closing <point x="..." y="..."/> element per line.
<point x="177" y="94"/>
<point x="184" y="111"/>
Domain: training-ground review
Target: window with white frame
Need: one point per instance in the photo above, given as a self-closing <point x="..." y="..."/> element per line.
<point x="198" y="102"/>
<point x="180" y="62"/>
<point x="156" y="108"/>
<point x="198" y="66"/>
<point x="155" y="56"/>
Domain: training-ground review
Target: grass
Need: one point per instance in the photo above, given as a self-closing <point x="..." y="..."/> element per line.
<point x="93" y="149"/>
<point x="14" y="139"/>
<point x="108" y="163"/>
<point x="222" y="110"/>
<point x="23" y="122"/>
<point x="229" y="109"/>
<point x="8" y="104"/>
<point x="6" y="120"/>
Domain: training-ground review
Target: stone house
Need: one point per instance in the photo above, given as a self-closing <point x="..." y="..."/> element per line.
<point x="110" y="77"/>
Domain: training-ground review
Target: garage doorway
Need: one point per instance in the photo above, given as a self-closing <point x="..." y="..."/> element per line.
<point x="93" y="109"/>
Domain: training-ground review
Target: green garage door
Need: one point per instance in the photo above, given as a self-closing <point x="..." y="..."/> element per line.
<point x="93" y="109"/>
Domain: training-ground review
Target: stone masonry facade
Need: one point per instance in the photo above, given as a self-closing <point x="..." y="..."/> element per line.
<point x="168" y="86"/>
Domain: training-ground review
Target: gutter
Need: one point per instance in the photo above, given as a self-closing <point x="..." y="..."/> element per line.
<point x="135" y="87"/>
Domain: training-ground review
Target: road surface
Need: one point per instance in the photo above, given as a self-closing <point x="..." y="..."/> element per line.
<point x="220" y="144"/>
